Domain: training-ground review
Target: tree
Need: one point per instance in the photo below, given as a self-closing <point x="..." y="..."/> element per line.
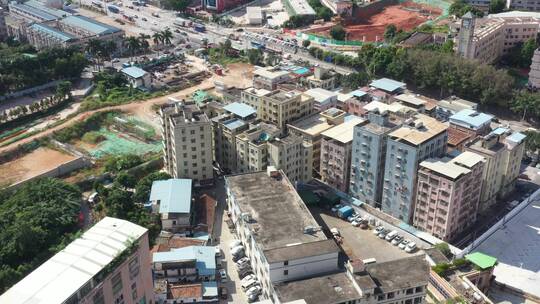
<point x="497" y="6"/>
<point x="143" y="41"/>
<point x="460" y="8"/>
<point x="167" y="36"/>
<point x="527" y="103"/>
<point x="390" y="32"/>
<point x="36" y="220"/>
<point x="338" y="32"/>
<point x="272" y="59"/>
<point x="126" y="180"/>
<point x="527" y="52"/>
<point x="63" y="89"/>
<point x="122" y="162"/>
<point x="133" y="45"/>
<point x="444" y="249"/>
<point x="306" y="43"/>
<point x="255" y="56"/>
<point x="157" y="38"/>
<point x="354" y="80"/>
<point x="142" y="190"/>
<point x="178" y="5"/>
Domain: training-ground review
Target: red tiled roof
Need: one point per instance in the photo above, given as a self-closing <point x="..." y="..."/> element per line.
<point x="456" y="137"/>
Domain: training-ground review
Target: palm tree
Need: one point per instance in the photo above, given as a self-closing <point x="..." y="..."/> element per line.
<point x="143" y="40"/>
<point x="167" y="36"/>
<point x="133" y="45"/>
<point x="94" y="48"/>
<point x="109" y="48"/>
<point x="156" y="38"/>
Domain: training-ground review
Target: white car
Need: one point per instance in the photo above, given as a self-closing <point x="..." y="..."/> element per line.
<point x="223" y="275"/>
<point x="248" y="277"/>
<point x="355" y="223"/>
<point x="218" y="251"/>
<point x="410" y="247"/>
<point x="244" y="260"/>
<point x="403" y="244"/>
<point x="235" y="243"/>
<point x="254" y="290"/>
<point x="397" y="240"/>
<point x="378" y="230"/>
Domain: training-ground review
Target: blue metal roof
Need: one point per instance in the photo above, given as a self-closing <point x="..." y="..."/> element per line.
<point x="205" y="257"/>
<point x="53" y="32"/>
<point x="471" y="117"/>
<point x="134" y="72"/>
<point x="34" y="11"/>
<point x="516" y="137"/>
<point x="38" y="5"/>
<point x="234" y="124"/>
<point x="210" y="289"/>
<point x="386" y="84"/>
<point x="174" y="195"/>
<point x="90" y="25"/>
<point x="358" y="93"/>
<point x="500" y="131"/>
<point x="241" y="109"/>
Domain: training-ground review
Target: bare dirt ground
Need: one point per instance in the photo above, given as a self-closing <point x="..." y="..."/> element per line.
<point x="238" y="75"/>
<point x="31" y="164"/>
<point x="404" y="16"/>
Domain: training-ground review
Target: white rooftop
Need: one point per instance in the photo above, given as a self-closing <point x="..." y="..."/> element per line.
<point x="468" y="159"/>
<point x="321" y="95"/>
<point x="67" y="271"/>
<point x="444" y="167"/>
<point x="269" y="74"/>
<point x="516" y="246"/>
<point x="345" y="131"/>
<point x="411" y="99"/>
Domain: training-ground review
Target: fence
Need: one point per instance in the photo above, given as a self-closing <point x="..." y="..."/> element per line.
<point x="30" y="90"/>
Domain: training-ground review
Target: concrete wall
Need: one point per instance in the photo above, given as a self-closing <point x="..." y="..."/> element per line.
<point x="304" y="267"/>
<point x="38" y="88"/>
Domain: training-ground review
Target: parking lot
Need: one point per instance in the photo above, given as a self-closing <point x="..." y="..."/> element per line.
<point x="359" y="243"/>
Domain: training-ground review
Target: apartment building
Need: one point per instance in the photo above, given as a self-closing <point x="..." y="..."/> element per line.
<point x="416" y="140"/>
<point x="369" y="155"/>
<point x="487" y="39"/>
<point x="452" y="105"/>
<point x="172" y="200"/>
<point x="252" y="147"/>
<point x="187" y="141"/>
<point x="311" y="128"/>
<point x="322" y="99"/>
<point x="280" y="236"/>
<point x="292" y="155"/>
<point x="235" y="120"/>
<point x="3" y="29"/>
<point x="336" y="150"/>
<point x="321" y="78"/>
<point x="503" y="150"/>
<point x="534" y="73"/>
<point x="107" y="264"/>
<point x="185" y="275"/>
<point x="471" y="122"/>
<point x="389" y="86"/>
<point x="269" y="78"/>
<point x="399" y="281"/>
<point x="513" y="5"/>
<point x="448" y="194"/>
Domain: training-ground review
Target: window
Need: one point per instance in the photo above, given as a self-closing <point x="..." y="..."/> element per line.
<point x="285" y="272"/>
<point x="410" y="291"/>
<point x="134" y="269"/>
<point x="116" y="283"/>
<point x="285" y="263"/>
<point x="98" y="297"/>
<point x="391" y="295"/>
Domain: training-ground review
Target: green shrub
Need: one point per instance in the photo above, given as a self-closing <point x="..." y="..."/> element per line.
<point x="93" y="137"/>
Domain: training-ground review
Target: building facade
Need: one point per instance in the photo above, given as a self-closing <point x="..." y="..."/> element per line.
<point x="293" y="155"/>
<point x="280" y="236"/>
<point x="448" y="195"/>
<point x="368" y="157"/>
<point x="252" y="147"/>
<point x="172" y="200"/>
<point x="471" y="122"/>
<point x="269" y="78"/>
<point x="311" y="128"/>
<point x="416" y="140"/>
<point x="503" y="151"/>
<point x="187" y="141"/>
<point x="109" y="263"/>
<point x="534" y="73"/>
<point x="336" y="152"/>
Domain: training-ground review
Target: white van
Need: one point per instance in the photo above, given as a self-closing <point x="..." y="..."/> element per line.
<point x="247" y="284"/>
<point x="237" y="250"/>
<point x="391" y="235"/>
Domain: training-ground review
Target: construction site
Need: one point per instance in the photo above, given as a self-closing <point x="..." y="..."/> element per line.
<point x="368" y="23"/>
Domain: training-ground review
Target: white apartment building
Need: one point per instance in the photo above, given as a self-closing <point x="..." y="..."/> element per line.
<point x="187" y="141"/>
<point x="280" y="236"/>
<point x="503" y="151"/>
<point x="269" y="78"/>
<point x="109" y="263"/>
<point x="293" y="155"/>
<point x="487" y="39"/>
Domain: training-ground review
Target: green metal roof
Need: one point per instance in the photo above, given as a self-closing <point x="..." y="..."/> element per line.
<point x="481" y="260"/>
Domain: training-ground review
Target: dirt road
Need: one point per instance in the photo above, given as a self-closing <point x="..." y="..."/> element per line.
<point x="238" y="75"/>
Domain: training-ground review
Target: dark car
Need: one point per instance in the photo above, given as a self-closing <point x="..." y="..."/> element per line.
<point x="223" y="293"/>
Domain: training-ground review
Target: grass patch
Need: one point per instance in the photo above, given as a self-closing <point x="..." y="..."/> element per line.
<point x="217" y="56"/>
<point x="93" y="137"/>
<point x="118" y="96"/>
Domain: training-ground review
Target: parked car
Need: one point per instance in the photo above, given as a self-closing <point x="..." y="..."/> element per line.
<point x="245" y="266"/>
<point x="247" y="284"/>
<point x="223" y="275"/>
<point x="391" y="235"/>
<point x="235" y="243"/>
<point x="335" y="231"/>
<point x="115" y="60"/>
<point x="255" y="289"/>
<point x="403" y="244"/>
<point x="238" y="257"/>
<point x="223" y="293"/>
<point x="383" y="233"/>
<point x="144" y="19"/>
<point x="242" y="261"/>
<point x="244" y="273"/>
<point x="397" y="240"/>
<point x="364" y="224"/>
<point x="355" y="223"/>
<point x="249" y="277"/>
<point x="351" y="218"/>
<point x="252" y="298"/>
<point x="378" y="230"/>
<point x="411" y="247"/>
<point x="218" y="251"/>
